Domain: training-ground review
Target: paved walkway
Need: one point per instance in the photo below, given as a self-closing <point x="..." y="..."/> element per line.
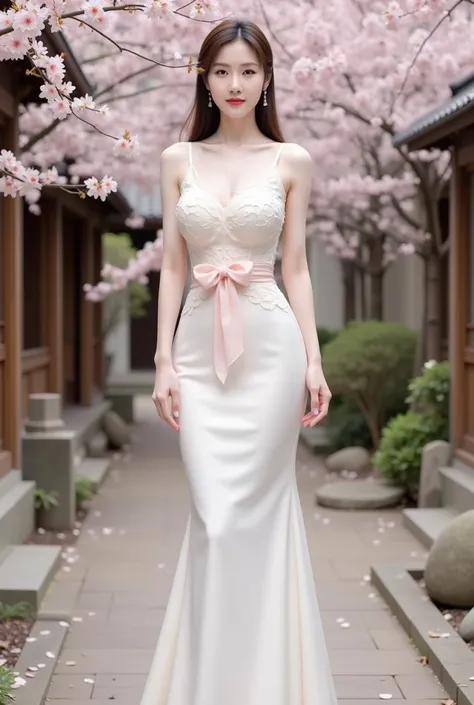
<point x="128" y="551"/>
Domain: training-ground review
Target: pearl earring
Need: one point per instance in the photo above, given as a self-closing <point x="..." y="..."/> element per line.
<point x="265" y="98"/>
<point x="209" y="105"/>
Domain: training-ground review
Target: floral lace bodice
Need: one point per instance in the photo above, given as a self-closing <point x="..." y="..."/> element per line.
<point x="248" y="227"/>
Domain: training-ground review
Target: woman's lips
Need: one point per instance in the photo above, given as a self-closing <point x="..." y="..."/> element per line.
<point x="235" y="101"/>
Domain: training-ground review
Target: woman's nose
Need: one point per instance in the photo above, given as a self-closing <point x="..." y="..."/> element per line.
<point x="235" y="83"/>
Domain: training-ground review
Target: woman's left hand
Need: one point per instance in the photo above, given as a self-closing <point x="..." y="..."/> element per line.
<point x="320" y="395"/>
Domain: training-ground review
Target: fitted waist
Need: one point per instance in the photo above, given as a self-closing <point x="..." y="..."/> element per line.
<point x="254" y="272"/>
<point x="223" y="280"/>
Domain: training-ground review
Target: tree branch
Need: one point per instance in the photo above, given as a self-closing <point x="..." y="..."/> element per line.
<point x="420" y="49"/>
<point x="40" y="135"/>
<point x="150" y="89"/>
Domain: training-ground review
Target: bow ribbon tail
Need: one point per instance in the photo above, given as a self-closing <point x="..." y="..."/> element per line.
<point x="228" y="336"/>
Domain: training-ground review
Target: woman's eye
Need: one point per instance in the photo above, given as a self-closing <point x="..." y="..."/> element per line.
<point x="222" y="71"/>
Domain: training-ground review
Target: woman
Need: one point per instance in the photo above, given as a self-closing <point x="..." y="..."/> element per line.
<point x="242" y="625"/>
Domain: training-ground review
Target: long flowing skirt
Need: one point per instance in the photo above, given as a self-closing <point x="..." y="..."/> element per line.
<point x="242" y="626"/>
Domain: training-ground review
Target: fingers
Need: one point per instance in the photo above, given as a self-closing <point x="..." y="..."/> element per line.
<point x="165" y="407"/>
<point x="320" y="400"/>
<point x="175" y="406"/>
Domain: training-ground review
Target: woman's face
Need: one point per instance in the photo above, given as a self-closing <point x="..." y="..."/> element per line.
<point x="236" y="74"/>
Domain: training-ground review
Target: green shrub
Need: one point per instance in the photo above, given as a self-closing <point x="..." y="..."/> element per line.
<point x="325" y="335"/>
<point x="20" y="610"/>
<point x="346" y="426"/>
<point x="84" y="490"/>
<point x="399" y="456"/>
<point x="370" y="364"/>
<point x="117" y="250"/>
<point x="45" y="500"/>
<point x="429" y="393"/>
<point x="7" y="679"/>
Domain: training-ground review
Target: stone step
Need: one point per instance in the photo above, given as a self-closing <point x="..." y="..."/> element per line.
<point x="26" y="571"/>
<point x="427" y="524"/>
<point x="457" y="487"/>
<point x="95" y="469"/>
<point x="17" y="514"/>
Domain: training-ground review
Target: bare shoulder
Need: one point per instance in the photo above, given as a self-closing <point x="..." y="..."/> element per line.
<point x="175" y="153"/>
<point x="297" y="166"/>
<point x="174" y="162"/>
<point x="296" y="156"/>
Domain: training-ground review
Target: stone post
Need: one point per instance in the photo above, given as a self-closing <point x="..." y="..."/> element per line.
<point x="435" y="455"/>
<point x="48" y="458"/>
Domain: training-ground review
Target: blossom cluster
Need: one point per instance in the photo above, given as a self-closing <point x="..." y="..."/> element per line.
<point x="399" y="10"/>
<point x="116" y="279"/>
<point x="21" y="27"/>
<point x="359" y="76"/>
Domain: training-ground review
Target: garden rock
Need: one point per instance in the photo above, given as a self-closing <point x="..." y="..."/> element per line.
<point x="352" y="459"/>
<point x="449" y="572"/>
<point x="466" y="629"/>
<point x="97" y="446"/>
<point x="361" y="494"/>
<point x="116" y="429"/>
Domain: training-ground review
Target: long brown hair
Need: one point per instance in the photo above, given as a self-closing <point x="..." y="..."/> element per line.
<point x="202" y="121"/>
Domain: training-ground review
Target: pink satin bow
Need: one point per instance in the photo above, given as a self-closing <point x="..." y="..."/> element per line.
<point x="228" y="330"/>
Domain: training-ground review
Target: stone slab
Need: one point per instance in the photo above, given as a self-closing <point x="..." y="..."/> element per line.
<point x="133" y="661"/>
<point x="420" y="685"/>
<point x="358" y="494"/>
<point x="374" y="663"/>
<point x="450" y="659"/>
<point x="432" y="701"/>
<point x="87" y="635"/>
<point x="60" y="599"/>
<point x="121" y="700"/>
<point x="25" y="573"/>
<point x="70" y="685"/>
<point x="35" y="690"/>
<point x="366" y="687"/>
<point x="93" y="469"/>
<point x="427" y="524"/>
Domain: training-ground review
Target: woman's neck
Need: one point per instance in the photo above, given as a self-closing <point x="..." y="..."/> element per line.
<point x="235" y="133"/>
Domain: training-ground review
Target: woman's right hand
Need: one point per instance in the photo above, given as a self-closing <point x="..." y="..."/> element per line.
<point x="166" y="394"/>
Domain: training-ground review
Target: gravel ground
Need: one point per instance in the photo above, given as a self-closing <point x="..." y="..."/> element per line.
<point x="14" y="632"/>
<point x="453" y="616"/>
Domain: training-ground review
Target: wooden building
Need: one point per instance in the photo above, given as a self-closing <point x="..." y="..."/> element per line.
<point x="451" y="126"/>
<point x="50" y="336"/>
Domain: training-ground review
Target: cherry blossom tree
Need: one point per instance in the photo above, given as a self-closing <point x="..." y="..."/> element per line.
<point x="118" y="65"/>
<point x="130" y="55"/>
<point x="357" y="85"/>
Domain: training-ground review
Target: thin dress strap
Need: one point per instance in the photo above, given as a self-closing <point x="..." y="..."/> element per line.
<point x="190" y="154"/>
<point x="278" y="152"/>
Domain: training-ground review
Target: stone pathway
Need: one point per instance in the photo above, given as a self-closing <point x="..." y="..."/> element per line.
<point x="128" y="552"/>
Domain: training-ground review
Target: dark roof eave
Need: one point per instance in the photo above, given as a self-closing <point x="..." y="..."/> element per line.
<point x="435" y="129"/>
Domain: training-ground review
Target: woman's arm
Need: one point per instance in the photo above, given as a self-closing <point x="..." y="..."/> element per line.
<point x="294" y="263"/>
<point x="172" y="280"/>
<point x="173" y="269"/>
<point x="296" y="275"/>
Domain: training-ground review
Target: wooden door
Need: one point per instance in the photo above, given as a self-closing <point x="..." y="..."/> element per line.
<point x="462" y="312"/>
<point x="71" y="309"/>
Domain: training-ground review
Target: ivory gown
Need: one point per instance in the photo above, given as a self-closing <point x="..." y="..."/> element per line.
<point x="242" y="626"/>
